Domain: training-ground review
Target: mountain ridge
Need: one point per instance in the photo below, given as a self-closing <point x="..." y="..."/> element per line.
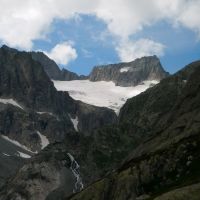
<point x="122" y="74"/>
<point x="130" y="73"/>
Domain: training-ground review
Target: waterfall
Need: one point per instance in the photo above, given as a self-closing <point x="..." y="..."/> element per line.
<point x="75" y="170"/>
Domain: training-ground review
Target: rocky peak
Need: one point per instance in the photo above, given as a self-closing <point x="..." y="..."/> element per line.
<point x="130" y="73"/>
<point x="52" y="69"/>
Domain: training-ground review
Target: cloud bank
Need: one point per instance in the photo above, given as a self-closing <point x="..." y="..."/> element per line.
<point x="130" y="50"/>
<point x="23" y="21"/>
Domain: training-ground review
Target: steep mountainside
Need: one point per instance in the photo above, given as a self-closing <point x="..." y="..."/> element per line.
<point x="52" y="69"/>
<point x="33" y="112"/>
<point x="169" y="158"/>
<point x="130" y="74"/>
<point x="24" y="80"/>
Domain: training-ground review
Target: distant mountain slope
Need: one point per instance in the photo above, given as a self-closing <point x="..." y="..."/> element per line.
<point x="122" y="74"/>
<point x="130" y="74"/>
<point x="52" y="69"/>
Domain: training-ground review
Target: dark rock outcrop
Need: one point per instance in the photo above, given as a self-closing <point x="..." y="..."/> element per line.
<point x="42" y="176"/>
<point x="130" y="74"/>
<point x="10" y="160"/>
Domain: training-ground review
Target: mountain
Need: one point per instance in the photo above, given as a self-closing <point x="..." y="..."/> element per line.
<point x="52" y="69"/>
<point x="164" y="165"/>
<point x="150" y="151"/>
<point x="130" y="74"/>
<point x="122" y="74"/>
<point x="108" y="85"/>
<point x="24" y="80"/>
<point x="156" y="141"/>
<point x="33" y="113"/>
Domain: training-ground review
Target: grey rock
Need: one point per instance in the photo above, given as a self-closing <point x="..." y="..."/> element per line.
<point x="131" y="73"/>
<point x="42" y="176"/>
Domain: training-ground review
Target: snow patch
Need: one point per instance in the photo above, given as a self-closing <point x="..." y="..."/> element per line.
<point x="49" y="113"/>
<point x="44" y="140"/>
<point x="11" y="101"/>
<point x="124" y="69"/>
<point x="17" y="143"/>
<point x="41" y="113"/>
<point x="101" y="93"/>
<point x="23" y="155"/>
<point x="75" y="122"/>
<point x="75" y="170"/>
<point x="5" y="154"/>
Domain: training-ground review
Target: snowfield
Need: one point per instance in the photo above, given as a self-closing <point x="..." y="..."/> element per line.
<point x="124" y="69"/>
<point x="16" y="143"/>
<point x="102" y="93"/>
<point x="11" y="101"/>
<point x="74" y="122"/>
<point x="23" y="155"/>
<point x="44" y="140"/>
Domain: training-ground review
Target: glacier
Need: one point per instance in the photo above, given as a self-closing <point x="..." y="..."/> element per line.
<point x="102" y="93"/>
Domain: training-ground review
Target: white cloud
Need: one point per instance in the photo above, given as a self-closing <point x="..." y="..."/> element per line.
<point x="23" y="21"/>
<point x="62" y="53"/>
<point x="190" y="17"/>
<point x="130" y="50"/>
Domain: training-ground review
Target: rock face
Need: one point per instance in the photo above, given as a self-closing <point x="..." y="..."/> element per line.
<point x="29" y="103"/>
<point x="130" y="74"/>
<point x="42" y="176"/>
<point x="10" y="159"/>
<point x="32" y="110"/>
<point x="52" y="69"/>
<point x="167" y="115"/>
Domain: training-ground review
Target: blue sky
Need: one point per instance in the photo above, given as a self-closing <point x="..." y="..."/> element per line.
<point x="95" y="46"/>
<point x="86" y="34"/>
<point x="81" y="34"/>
